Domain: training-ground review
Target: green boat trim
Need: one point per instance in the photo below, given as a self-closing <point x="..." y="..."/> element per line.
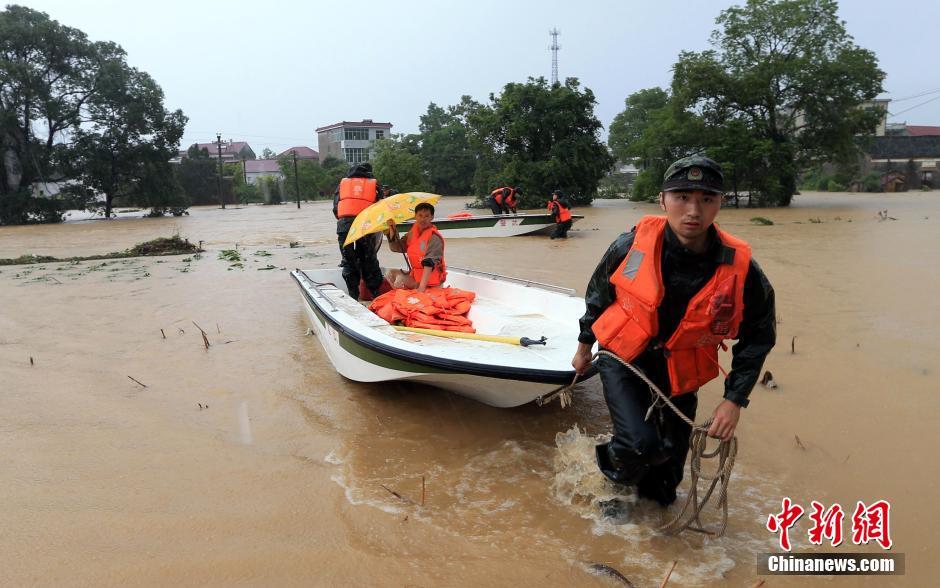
<point x="394" y="358"/>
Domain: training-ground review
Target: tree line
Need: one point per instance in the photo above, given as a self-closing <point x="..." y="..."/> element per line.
<point x="779" y="93"/>
<point x="73" y="108"/>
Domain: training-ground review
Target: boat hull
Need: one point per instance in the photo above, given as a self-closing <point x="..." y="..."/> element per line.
<point x="358" y="356"/>
<point x="493" y="225"/>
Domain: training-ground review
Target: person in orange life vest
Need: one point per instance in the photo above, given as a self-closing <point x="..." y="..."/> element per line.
<point x="663" y="297"/>
<point x="511" y="200"/>
<point x="497" y="200"/>
<point x="424" y="247"/>
<point x="354" y="194"/>
<point x="560" y="209"/>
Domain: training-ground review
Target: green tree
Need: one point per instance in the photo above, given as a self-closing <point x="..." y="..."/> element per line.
<point x="792" y="78"/>
<point x="395" y="165"/>
<point x="629" y="126"/>
<point x="653" y="131"/>
<point x="543" y="137"/>
<point x="268" y="153"/>
<point x="197" y="173"/>
<point x="445" y="149"/>
<point x="63" y="101"/>
<point x="47" y="74"/>
<point x="334" y="170"/>
<point x="127" y="139"/>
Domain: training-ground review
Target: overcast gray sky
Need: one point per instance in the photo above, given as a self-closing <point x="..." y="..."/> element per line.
<point x="272" y="72"/>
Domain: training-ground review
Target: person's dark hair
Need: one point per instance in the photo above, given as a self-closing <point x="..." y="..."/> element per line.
<point x="424" y="206"/>
<point x="360" y="170"/>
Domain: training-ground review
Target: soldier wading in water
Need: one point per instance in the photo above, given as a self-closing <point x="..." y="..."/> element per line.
<point x="663" y="298"/>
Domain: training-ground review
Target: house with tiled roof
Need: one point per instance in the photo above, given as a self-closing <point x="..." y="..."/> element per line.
<point x="922" y="131"/>
<point x="256" y="169"/>
<point x="231" y="151"/>
<point x="303" y="153"/>
<point x="915" y="156"/>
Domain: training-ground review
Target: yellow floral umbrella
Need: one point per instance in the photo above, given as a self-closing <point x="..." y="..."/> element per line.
<point x="400" y="207"/>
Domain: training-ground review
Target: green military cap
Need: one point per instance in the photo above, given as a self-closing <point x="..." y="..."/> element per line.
<point x="695" y="172"/>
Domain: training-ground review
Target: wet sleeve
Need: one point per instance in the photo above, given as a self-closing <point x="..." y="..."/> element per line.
<point x="756" y="336"/>
<point x="600" y="294"/>
<point x="336" y="204"/>
<point x="397" y="243"/>
<point x="435" y="252"/>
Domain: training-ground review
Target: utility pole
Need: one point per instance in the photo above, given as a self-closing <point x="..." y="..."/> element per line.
<point x="554" y="47"/>
<point x="218" y="136"/>
<point x="296" y="179"/>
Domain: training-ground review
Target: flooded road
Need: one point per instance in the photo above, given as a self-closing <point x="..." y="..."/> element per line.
<point x="253" y="462"/>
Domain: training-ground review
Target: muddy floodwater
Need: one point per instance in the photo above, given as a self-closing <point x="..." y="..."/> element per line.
<point x="253" y="462"/>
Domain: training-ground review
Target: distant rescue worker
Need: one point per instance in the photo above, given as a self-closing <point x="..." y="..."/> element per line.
<point x="503" y="200"/>
<point x="511" y="200"/>
<point x="354" y="194"/>
<point x="386" y="191"/>
<point x="424" y="247"/>
<point x="560" y="209"/>
<point x="664" y="297"/>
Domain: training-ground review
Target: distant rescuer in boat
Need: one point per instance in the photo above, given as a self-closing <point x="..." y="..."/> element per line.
<point x="560" y="209"/>
<point x="504" y="200"/>
<point x="424" y="247"/>
<point x="663" y="298"/>
<point x="355" y="193"/>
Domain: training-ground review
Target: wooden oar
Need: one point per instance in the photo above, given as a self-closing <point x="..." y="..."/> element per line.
<point x="523" y="341"/>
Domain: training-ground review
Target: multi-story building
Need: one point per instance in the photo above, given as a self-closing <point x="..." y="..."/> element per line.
<point x="352" y="141"/>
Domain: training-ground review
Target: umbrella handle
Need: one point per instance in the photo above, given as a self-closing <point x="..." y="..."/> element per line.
<point x="394" y="234"/>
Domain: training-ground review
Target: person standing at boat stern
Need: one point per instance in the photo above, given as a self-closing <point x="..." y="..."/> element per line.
<point x="356" y="192"/>
<point x="560" y="209"/>
<point x="664" y="298"/>
<point x="424" y="247"/>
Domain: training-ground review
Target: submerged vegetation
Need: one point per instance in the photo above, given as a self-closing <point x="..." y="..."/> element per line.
<point x="161" y="246"/>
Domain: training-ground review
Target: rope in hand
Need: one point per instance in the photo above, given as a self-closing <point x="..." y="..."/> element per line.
<point x="726" y="453"/>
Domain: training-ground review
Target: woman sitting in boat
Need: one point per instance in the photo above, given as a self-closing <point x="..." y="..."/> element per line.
<point x="424" y="247"/>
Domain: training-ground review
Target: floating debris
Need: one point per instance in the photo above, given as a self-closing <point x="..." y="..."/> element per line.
<point x="768" y="380"/>
<point x="799" y="443"/>
<point x="606" y="570"/>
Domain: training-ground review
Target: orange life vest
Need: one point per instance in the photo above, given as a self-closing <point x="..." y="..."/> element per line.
<point x="355" y="195"/>
<point x="564" y="214"/>
<point x="497" y="195"/>
<point x="417" y="245"/>
<point x="511" y="200"/>
<point x="714" y="314"/>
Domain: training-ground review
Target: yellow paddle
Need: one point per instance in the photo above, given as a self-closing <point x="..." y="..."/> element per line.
<point x="523" y="341"/>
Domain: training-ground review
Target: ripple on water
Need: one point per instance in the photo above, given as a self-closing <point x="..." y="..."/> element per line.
<point x="645" y="552"/>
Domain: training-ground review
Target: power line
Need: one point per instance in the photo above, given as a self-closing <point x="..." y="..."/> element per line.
<point x="915" y="106"/>
<point x="915" y="96"/>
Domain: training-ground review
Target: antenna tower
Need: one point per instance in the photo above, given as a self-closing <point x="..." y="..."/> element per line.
<point x="555" y="47"/>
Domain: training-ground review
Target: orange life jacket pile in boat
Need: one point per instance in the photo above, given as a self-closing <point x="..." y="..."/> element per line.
<point x="444" y="309"/>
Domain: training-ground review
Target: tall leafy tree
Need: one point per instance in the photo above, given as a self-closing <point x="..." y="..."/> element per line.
<point x="445" y="150"/>
<point x="791" y="79"/>
<point x="653" y="131"/>
<point x="127" y="139"/>
<point x="544" y="137"/>
<point x="395" y="165"/>
<point x="47" y="74"/>
<point x="629" y="126"/>
<point x="197" y="173"/>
